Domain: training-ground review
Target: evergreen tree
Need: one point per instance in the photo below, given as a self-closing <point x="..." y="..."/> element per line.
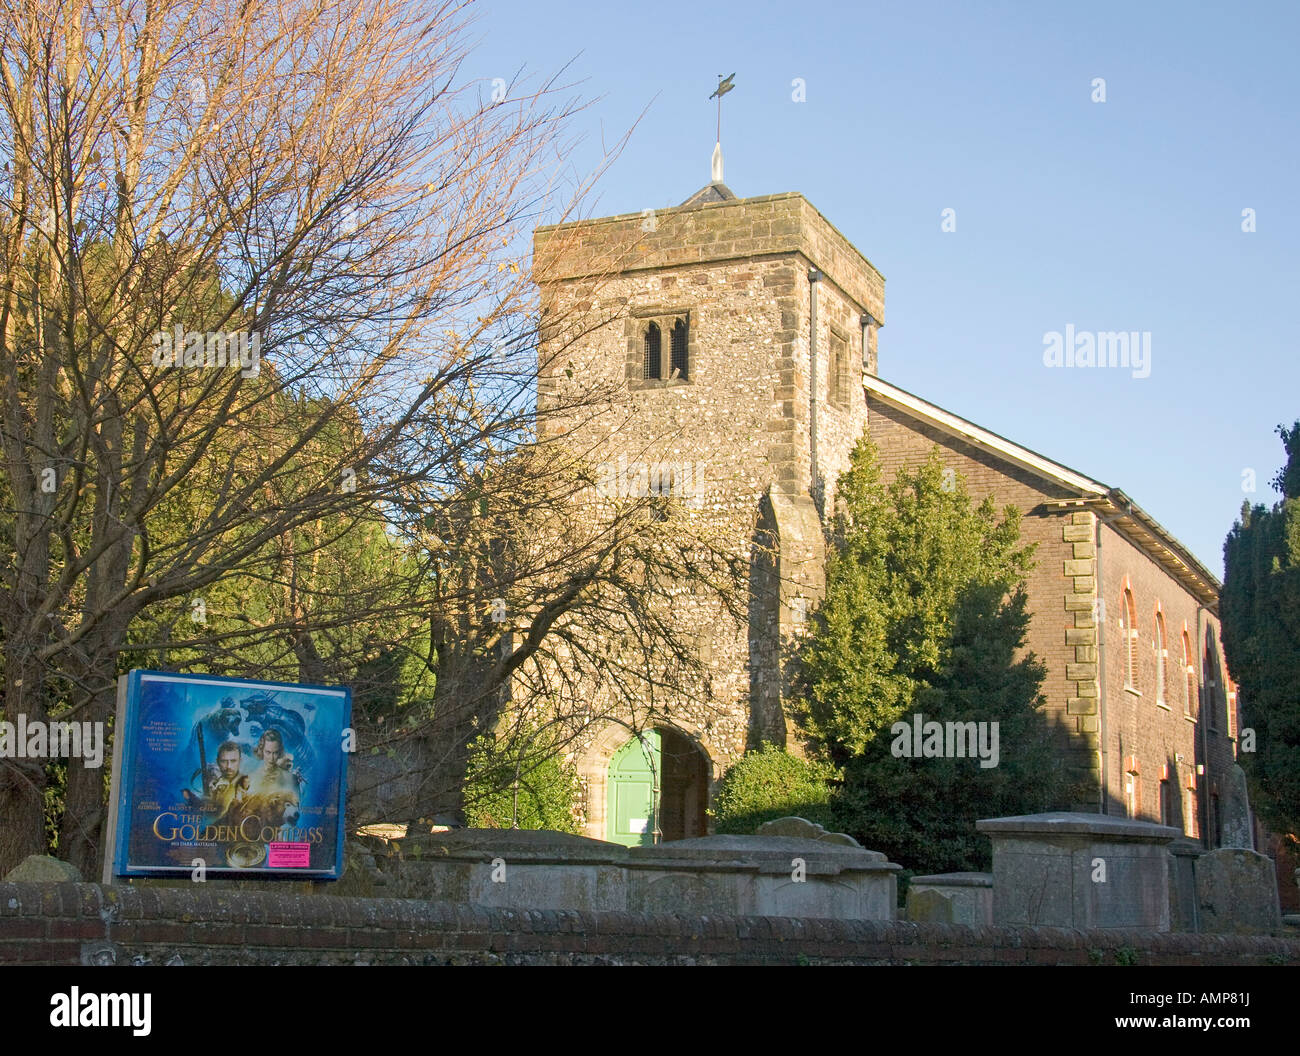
<point x="925" y="611"/>
<point x="1261" y="640"/>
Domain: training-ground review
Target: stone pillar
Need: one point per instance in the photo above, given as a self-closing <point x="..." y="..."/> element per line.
<point x="1238" y="831"/>
<point x="1083" y="614"/>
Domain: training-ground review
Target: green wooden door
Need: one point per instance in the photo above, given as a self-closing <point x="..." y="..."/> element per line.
<point x="633" y="773"/>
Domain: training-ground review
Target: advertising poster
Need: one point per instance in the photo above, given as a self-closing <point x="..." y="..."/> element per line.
<point x="241" y="776"/>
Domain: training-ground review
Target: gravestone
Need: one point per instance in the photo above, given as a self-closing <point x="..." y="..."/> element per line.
<point x="802" y="829"/>
<point x="969" y="897"/>
<point x="1237" y="829"/>
<point x="1183" y="856"/>
<point x="1236" y="892"/>
<point x="929" y="907"/>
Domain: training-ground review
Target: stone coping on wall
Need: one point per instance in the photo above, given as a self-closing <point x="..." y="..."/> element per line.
<point x="953" y="880"/>
<point x="721" y="853"/>
<point x="1068" y="823"/>
<point x="534" y="846"/>
<point x="73" y="924"/>
<point x="764" y="854"/>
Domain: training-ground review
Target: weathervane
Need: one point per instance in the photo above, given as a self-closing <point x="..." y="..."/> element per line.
<point x="724" y="86"/>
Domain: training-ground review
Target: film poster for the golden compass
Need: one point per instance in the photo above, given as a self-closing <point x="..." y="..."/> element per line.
<point x="236" y="775"/>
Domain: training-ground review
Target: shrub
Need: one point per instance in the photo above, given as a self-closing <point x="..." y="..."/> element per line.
<point x="771" y="783"/>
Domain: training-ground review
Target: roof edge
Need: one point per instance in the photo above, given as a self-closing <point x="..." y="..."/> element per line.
<point x="985" y="438"/>
<point x="1144" y="531"/>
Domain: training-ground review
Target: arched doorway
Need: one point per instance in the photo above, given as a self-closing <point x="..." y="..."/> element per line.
<point x="661" y="769"/>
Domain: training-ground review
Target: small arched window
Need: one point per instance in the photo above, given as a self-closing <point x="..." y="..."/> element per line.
<point x="653" y="351"/>
<point x="1162" y="658"/>
<point x="678" y="356"/>
<point x="1128" y="629"/>
<point x="1189" y="677"/>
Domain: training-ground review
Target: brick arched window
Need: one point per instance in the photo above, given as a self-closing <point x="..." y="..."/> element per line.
<point x="1162" y="658"/>
<point x="653" y="352"/>
<point x="1129" y="634"/>
<point x="1211" y="671"/>
<point x="1189" y="677"/>
<point x="678" y="355"/>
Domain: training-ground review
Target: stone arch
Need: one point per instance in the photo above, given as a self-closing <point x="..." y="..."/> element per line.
<point x="686" y="779"/>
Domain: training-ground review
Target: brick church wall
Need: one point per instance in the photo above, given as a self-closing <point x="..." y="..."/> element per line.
<point x="1153" y="741"/>
<point x="903" y="441"/>
<point x="1076" y="632"/>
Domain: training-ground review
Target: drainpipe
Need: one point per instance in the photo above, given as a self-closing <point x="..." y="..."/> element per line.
<point x="814" y="277"/>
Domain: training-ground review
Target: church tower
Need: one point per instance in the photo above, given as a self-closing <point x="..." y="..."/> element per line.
<point x="740" y="330"/>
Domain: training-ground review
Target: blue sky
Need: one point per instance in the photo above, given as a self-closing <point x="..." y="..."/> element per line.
<point x="1125" y="214"/>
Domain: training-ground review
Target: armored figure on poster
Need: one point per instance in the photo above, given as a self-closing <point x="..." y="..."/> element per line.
<point x="224" y="787"/>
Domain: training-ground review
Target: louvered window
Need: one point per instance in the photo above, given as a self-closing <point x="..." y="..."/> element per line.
<point x="653" y="352"/>
<point x="679" y="364"/>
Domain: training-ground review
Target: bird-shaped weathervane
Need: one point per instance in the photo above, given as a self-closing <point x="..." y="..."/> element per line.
<point x="725" y="84"/>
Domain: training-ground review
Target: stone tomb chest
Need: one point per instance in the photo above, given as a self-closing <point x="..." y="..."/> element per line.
<point x="747" y="875"/>
<point x="771" y="876"/>
<point x="1072" y="870"/>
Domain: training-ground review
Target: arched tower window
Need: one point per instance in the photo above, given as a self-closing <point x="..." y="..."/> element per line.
<point x="653" y="351"/>
<point x="1128" y="625"/>
<point x="1189" y="676"/>
<point x="679" y="364"/>
<point x="659" y="351"/>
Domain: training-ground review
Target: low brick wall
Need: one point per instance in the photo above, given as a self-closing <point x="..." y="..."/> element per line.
<point x="90" y="924"/>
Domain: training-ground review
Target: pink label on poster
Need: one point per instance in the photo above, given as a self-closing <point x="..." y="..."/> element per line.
<point x="288" y="855"/>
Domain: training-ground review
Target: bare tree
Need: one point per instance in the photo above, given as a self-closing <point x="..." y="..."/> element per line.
<point x="552" y="607"/>
<point x="311" y="175"/>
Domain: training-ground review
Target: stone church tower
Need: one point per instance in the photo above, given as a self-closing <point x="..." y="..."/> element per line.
<point x="741" y="329"/>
